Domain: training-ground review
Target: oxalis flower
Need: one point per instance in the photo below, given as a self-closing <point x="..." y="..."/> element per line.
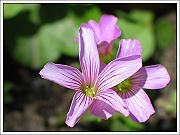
<point x="106" y="31"/>
<point x="131" y="89"/>
<point x="92" y="88"/>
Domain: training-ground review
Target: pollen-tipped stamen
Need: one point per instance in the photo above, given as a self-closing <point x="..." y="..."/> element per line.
<point x="124" y="86"/>
<point x="89" y="91"/>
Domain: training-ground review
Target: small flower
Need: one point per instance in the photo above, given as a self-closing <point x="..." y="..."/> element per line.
<point x="106" y="31"/>
<point x="92" y="88"/>
<point x="131" y="89"/>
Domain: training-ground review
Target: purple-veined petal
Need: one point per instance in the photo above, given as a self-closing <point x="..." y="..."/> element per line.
<point x="89" y="57"/>
<point x="111" y="98"/>
<point x="63" y="75"/>
<point x="109" y="28"/>
<point x="157" y="77"/>
<point x="139" y="105"/>
<point x="117" y="71"/>
<point x="96" y="29"/>
<point x="139" y="78"/>
<point x="154" y="76"/>
<point x="102" y="66"/>
<point x="129" y="47"/>
<point x="101" y="109"/>
<point x="79" y="105"/>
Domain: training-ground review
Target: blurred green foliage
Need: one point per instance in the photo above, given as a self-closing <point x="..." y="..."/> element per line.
<point x="116" y="123"/>
<point x="170" y="103"/>
<point x="47" y="44"/>
<point x="164" y="32"/>
<point x="12" y="10"/>
<point x="58" y="37"/>
<point x="121" y="123"/>
<point x="51" y="40"/>
<point x="142" y="16"/>
<point x="8" y="86"/>
<point x="92" y="13"/>
<point x="139" y="25"/>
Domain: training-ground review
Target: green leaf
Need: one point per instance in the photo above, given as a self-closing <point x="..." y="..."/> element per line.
<point x="91" y="14"/>
<point x="36" y="51"/>
<point x="164" y="33"/>
<point x="11" y="10"/>
<point x="23" y="51"/>
<point x="47" y="44"/>
<point x="67" y="32"/>
<point x="143" y="33"/>
<point x="94" y="14"/>
<point x="138" y="24"/>
<point x="142" y="16"/>
<point x="34" y="15"/>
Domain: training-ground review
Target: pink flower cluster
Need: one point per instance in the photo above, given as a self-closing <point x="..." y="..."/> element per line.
<point x="115" y="87"/>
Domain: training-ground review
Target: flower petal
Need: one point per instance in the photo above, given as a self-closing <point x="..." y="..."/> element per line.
<point x="139" y="78"/>
<point x="157" y="76"/>
<point x="111" y="98"/>
<point x="104" y="48"/>
<point x="117" y="71"/>
<point x="101" y="109"/>
<point x="139" y="105"/>
<point x="109" y="28"/>
<point x="89" y="57"/>
<point x="102" y="66"/>
<point x="96" y="29"/>
<point x="129" y="47"/>
<point x="63" y="75"/>
<point x="79" y="105"/>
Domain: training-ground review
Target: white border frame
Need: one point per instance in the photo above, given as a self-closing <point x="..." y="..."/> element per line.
<point x="88" y="1"/>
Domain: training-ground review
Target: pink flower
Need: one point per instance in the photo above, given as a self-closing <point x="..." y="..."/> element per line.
<point x="131" y="89"/>
<point x="92" y="88"/>
<point x="106" y="31"/>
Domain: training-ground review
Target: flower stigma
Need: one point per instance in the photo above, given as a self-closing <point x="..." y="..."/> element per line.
<point x="89" y="91"/>
<point x="124" y="86"/>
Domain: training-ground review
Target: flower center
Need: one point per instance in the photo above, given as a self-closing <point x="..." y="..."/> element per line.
<point x="106" y="58"/>
<point x="89" y="91"/>
<point x="124" y="86"/>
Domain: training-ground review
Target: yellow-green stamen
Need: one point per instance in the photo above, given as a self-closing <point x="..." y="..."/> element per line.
<point x="124" y="86"/>
<point x="89" y="91"/>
